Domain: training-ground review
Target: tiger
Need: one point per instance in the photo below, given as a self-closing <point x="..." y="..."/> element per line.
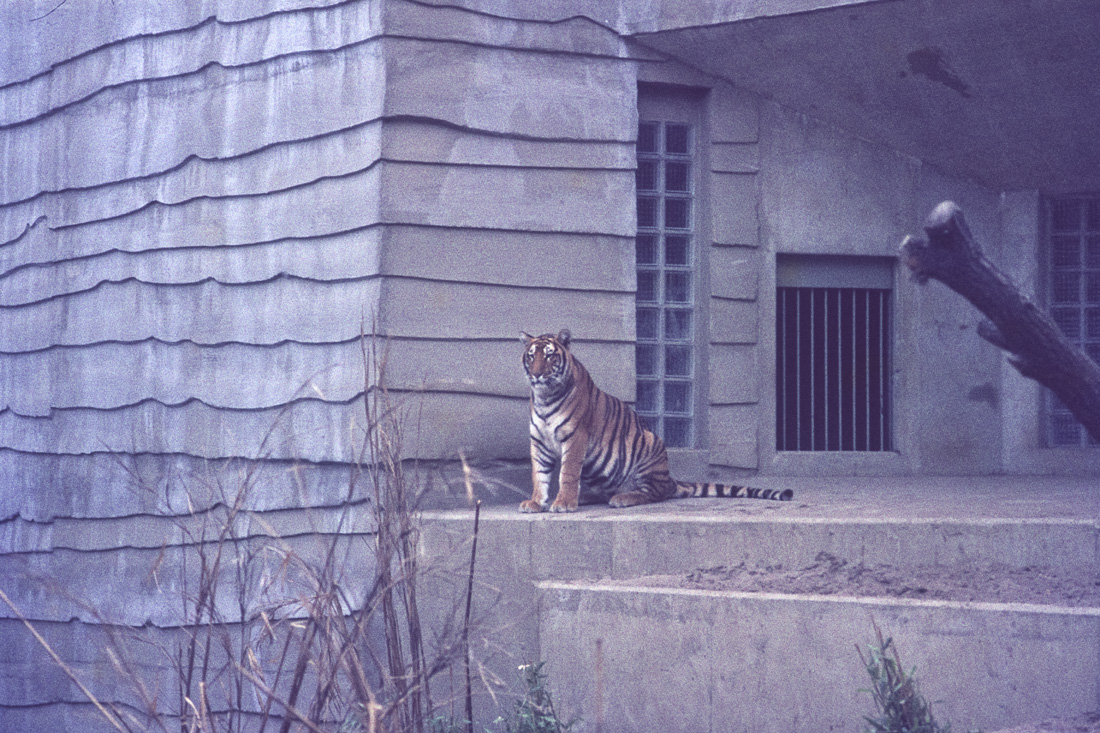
<point x="605" y="452"/>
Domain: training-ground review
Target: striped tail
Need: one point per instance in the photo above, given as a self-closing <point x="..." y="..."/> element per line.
<point x="686" y="489"/>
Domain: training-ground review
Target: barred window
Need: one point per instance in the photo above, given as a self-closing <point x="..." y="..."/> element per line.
<point x="833" y="345"/>
<point x="1072" y="227"/>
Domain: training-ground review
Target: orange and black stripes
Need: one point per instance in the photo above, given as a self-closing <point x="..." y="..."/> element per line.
<point x="688" y="489"/>
<point x="604" y="451"/>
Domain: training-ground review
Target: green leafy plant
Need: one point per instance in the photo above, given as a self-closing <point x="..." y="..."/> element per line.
<point x="901" y="709"/>
<point x="534" y="712"/>
<point x="446" y="724"/>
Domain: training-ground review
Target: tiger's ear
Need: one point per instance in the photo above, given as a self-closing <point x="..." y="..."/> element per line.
<point x="564" y="336"/>
<point x="526" y="338"/>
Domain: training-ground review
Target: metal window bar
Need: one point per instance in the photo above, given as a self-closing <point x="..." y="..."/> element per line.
<point x="832" y="369"/>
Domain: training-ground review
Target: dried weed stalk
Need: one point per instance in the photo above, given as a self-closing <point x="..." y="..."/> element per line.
<point x="294" y="633"/>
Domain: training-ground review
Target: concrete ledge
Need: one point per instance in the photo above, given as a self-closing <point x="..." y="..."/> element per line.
<point x="674" y="659"/>
<point x="602" y="543"/>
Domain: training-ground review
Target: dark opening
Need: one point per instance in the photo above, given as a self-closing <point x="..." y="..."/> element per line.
<point x="832" y="369"/>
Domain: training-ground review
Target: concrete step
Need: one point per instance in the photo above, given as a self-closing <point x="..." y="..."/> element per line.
<point x="599" y="595"/>
<point x="632" y="658"/>
<point x="599" y="543"/>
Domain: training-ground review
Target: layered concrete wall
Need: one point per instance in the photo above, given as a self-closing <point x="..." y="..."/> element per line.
<point x="507" y="191"/>
<point x="190" y="244"/>
<point x="115" y="579"/>
<point x="171" y="214"/>
<point x="202" y="208"/>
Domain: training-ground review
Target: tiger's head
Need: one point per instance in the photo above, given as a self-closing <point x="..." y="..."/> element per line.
<point x="546" y="359"/>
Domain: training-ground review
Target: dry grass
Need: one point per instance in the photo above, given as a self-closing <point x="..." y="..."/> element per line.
<point x="294" y="634"/>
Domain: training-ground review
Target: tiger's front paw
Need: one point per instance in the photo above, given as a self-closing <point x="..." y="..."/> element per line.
<point x="531" y="507"/>
<point x="563" y="506"/>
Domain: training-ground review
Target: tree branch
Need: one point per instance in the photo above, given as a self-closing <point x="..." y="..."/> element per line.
<point x="1037" y="346"/>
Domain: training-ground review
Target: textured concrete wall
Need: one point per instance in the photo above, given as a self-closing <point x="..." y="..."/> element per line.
<point x="186" y="251"/>
<point x="824" y="192"/>
<point x="203" y="205"/>
<point x="626" y="653"/>
<point x="190" y="242"/>
<point x="102" y="555"/>
<point x="786" y="664"/>
<point x="507" y="190"/>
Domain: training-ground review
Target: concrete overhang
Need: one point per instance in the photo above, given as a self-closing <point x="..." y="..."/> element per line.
<point x="1006" y="92"/>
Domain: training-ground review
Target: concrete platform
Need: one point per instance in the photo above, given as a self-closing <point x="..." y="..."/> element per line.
<point x="676" y="659"/>
<point x="573" y="590"/>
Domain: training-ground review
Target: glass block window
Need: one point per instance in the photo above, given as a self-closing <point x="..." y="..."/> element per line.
<point x="1073" y="295"/>
<point x="665" y="351"/>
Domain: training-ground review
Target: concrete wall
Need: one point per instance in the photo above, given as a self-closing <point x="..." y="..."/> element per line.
<point x="189" y="246"/>
<point x="824" y="192"/>
<point x="507" y="191"/>
<point x="201" y="210"/>
<point x="827" y="193"/>
<point x="601" y="597"/>
<point x="203" y="254"/>
<point x="781" y="182"/>
<point x="785" y="664"/>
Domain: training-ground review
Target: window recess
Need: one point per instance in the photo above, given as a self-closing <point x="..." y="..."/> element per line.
<point x="665" y="303"/>
<point x="1072" y="226"/>
<point x="833" y="327"/>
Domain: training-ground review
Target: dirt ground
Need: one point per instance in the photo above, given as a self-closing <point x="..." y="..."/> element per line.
<point x="829" y="575"/>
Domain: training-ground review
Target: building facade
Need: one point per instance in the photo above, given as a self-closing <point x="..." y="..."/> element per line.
<point x="207" y="206"/>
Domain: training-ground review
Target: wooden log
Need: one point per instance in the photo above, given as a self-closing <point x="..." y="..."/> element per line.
<point x="1036" y="345"/>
